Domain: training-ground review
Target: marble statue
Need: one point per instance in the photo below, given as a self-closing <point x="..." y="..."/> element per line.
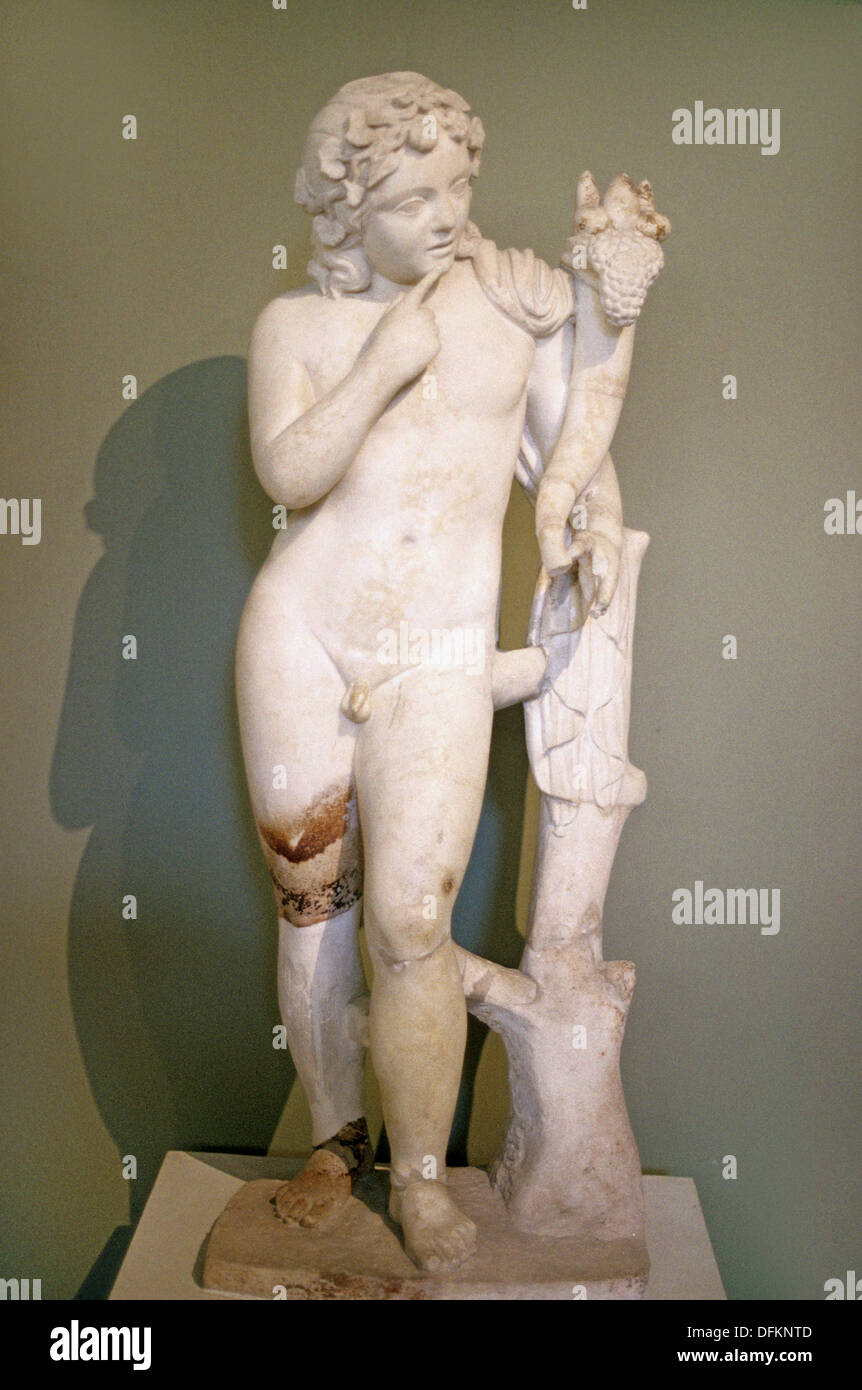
<point x="392" y="399"/>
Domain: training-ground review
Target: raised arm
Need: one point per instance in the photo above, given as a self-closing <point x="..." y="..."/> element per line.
<point x="302" y="447"/>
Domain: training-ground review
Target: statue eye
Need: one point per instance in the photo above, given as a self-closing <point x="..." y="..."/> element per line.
<point x="411" y="207"/>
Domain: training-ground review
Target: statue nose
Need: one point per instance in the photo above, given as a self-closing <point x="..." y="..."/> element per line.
<point x="445" y="218"/>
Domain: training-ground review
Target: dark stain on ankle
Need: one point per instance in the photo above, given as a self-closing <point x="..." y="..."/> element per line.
<point x="352" y="1144"/>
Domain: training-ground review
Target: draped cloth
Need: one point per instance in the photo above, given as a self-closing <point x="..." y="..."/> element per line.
<point x="577" y="727"/>
<point x="522" y="285"/>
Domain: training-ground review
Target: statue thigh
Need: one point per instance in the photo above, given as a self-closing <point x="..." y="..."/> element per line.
<point x="421" y="767"/>
<point x="299" y="750"/>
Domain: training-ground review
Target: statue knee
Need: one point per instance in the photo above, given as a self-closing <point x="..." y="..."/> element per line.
<point x="399" y="933"/>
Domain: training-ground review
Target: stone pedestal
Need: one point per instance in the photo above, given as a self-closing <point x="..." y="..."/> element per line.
<point x="209" y="1219"/>
<point x="250" y="1251"/>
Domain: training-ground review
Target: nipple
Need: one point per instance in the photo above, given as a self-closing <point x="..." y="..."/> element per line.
<point x="356" y="704"/>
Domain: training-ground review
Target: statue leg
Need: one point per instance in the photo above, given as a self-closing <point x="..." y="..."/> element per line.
<point x="298" y="751"/>
<point x="421" y="766"/>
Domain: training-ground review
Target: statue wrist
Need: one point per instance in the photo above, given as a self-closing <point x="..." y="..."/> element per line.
<point x="554" y="501"/>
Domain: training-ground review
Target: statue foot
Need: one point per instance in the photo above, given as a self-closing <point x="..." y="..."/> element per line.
<point x="436" y="1233"/>
<point x="316" y="1195"/>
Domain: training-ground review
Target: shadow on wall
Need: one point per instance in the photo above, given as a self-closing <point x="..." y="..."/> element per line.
<point x="175" y="1009"/>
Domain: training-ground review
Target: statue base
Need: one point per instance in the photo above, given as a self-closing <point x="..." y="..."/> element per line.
<point x="360" y="1256"/>
<point x="178" y="1244"/>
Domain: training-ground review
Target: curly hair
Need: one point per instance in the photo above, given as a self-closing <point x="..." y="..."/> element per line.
<point x="352" y="145"/>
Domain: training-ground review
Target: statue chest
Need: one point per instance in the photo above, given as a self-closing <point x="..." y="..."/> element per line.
<point x="480" y="372"/>
<point x="483" y="365"/>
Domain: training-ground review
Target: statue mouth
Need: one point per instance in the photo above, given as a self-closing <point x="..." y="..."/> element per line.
<point x="441" y="246"/>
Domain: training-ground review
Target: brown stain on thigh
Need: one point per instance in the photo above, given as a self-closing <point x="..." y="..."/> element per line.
<point x="315" y="860"/>
<point x="319" y="826"/>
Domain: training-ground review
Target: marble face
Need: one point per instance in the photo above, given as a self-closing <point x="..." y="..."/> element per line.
<point x="415" y="218"/>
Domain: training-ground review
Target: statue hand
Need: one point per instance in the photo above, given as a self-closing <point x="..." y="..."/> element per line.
<point x="597" y="557"/>
<point x="405" y="338"/>
<point x="556" y="554"/>
<point x="554" y="501"/>
<point x="615" y="244"/>
<point x="598" y="570"/>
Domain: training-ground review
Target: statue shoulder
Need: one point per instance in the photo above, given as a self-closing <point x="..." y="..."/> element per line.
<point x="286" y="321"/>
<point x="524" y="287"/>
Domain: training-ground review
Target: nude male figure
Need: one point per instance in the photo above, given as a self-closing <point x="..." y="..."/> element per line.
<point x="387" y="405"/>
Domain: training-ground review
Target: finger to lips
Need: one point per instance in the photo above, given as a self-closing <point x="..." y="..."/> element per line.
<point x="416" y="293"/>
<point x="426" y="284"/>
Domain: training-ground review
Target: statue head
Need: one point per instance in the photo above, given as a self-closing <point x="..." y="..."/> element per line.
<point x="386" y="175"/>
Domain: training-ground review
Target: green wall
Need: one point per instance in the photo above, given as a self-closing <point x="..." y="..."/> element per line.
<point x="153" y="257"/>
